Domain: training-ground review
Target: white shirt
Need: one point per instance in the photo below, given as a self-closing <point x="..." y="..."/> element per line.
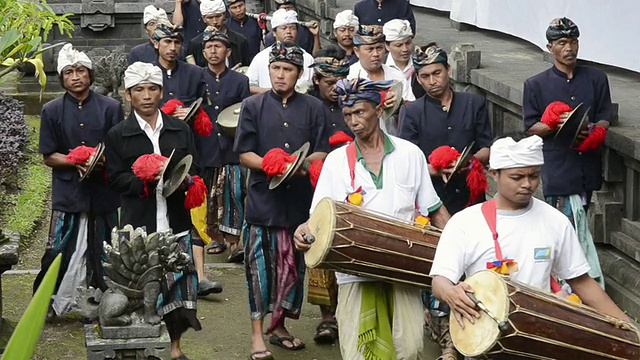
<point x="162" y="220"/>
<point x="258" y="72"/>
<point x="540" y="239"/>
<point x="407" y="72"/>
<point x="406" y="182"/>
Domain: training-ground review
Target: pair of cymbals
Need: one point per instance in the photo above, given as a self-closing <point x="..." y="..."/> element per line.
<point x="577" y="122"/>
<point x="229" y="117"/>
<point x="93" y="160"/>
<point x="463" y="160"/>
<point x="292" y="168"/>
<point x="192" y="109"/>
<point x="176" y="176"/>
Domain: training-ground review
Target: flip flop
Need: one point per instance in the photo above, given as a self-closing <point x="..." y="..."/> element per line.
<point x="261" y="352"/>
<point x="217" y="248"/>
<point x="326" y="333"/>
<point x="279" y="341"/>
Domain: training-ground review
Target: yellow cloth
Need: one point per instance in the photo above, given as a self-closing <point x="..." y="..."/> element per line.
<point x="199" y="220"/>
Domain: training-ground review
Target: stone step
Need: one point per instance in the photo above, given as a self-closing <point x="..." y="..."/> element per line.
<point x="630" y="228"/>
<point x="622" y="279"/>
<point x="626" y="244"/>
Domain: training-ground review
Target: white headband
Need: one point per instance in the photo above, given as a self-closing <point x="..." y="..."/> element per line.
<point x="69" y="56"/>
<point x="151" y="13"/>
<point x="346" y="18"/>
<point x="210" y="7"/>
<point x="139" y="72"/>
<point x="283" y="17"/>
<point x="397" y="29"/>
<point x="508" y="154"/>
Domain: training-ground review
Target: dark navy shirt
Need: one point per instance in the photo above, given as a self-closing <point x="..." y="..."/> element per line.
<point x="238" y="44"/>
<point x="335" y="119"/>
<point x="184" y="82"/>
<point x="426" y="124"/>
<point x="231" y="87"/>
<point x="65" y="124"/>
<point x="566" y="171"/>
<point x="304" y="39"/>
<point x="353" y="58"/>
<point x="368" y="12"/>
<point x="193" y="22"/>
<point x="264" y="124"/>
<point x="250" y="30"/>
<point x="143" y="52"/>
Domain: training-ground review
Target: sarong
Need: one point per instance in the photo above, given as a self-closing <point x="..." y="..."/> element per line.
<point x="233" y="184"/>
<point x="323" y="288"/>
<point x="81" y="260"/>
<point x="275" y="273"/>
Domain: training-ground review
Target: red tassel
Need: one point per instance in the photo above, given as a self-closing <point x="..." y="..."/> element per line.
<point x="202" y="124"/>
<point x="443" y="156"/>
<point x="314" y="170"/>
<point x="594" y="140"/>
<point x="80" y="154"/>
<point x="171" y="106"/>
<point x="197" y="193"/>
<point x="476" y="180"/>
<point x="383" y="96"/>
<point x="551" y="116"/>
<point x="274" y="162"/>
<point x="147" y="166"/>
<point x="339" y="138"/>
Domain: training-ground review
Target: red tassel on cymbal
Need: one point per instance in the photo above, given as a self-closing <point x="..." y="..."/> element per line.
<point x="80" y="154"/>
<point x="594" y="140"/>
<point x="551" y="116"/>
<point x="476" y="180"/>
<point x="314" y="169"/>
<point x="146" y="167"/>
<point x="274" y="162"/>
<point x="171" y="106"/>
<point x="202" y="124"/>
<point x="443" y="156"/>
<point x="339" y="138"/>
<point x="197" y="193"/>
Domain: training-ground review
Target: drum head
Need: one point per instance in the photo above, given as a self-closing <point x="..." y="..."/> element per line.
<point x="476" y="339"/>
<point x="322" y="224"/>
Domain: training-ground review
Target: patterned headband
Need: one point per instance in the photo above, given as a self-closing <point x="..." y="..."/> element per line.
<point x="431" y="55"/>
<point x="354" y="90"/>
<point x="287" y="53"/>
<point x="368" y="35"/>
<point x="560" y="28"/>
<point x="165" y="29"/>
<point x="329" y="66"/>
<point x="214" y="35"/>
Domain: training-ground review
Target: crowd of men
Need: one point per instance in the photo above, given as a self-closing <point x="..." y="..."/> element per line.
<point x="402" y="168"/>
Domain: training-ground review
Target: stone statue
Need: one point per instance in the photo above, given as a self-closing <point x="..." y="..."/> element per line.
<point x="136" y="262"/>
<point x="108" y="72"/>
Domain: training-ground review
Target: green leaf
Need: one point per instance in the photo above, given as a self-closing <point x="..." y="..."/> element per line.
<point x="26" y="334"/>
<point x="8" y="39"/>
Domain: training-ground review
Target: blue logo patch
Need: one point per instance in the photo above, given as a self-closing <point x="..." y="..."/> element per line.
<point x="542" y="253"/>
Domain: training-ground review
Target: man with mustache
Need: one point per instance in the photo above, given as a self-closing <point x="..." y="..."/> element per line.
<point x="147" y="52"/>
<point x="307" y="38"/>
<point x="569" y="175"/>
<point x="83" y="213"/>
<point x="284" y="24"/>
<point x="244" y="25"/>
<point x="344" y="27"/>
<point x="399" y="44"/>
<point x="214" y="13"/>
<point x="446" y="118"/>
<point x="276" y="122"/>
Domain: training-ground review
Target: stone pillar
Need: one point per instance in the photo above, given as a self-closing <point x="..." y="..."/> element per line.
<point x="463" y="58"/>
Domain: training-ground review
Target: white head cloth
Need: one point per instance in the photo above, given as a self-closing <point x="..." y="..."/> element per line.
<point x="346" y="18"/>
<point x="151" y="13"/>
<point x="508" y="154"/>
<point x="210" y="7"/>
<point x="69" y="56"/>
<point x="283" y="17"/>
<point x="397" y="29"/>
<point x="139" y="73"/>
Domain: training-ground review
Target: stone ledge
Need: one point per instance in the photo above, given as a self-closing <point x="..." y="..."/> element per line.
<point x="625" y="244"/>
<point x="622" y="280"/>
<point x="631" y="228"/>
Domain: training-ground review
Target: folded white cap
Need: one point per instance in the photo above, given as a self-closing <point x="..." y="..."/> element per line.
<point x="346" y="18"/>
<point x="506" y="153"/>
<point x="397" y="29"/>
<point x="151" y="13"/>
<point x="139" y="72"/>
<point x="69" y="56"/>
<point x="283" y="17"/>
<point x="209" y="7"/>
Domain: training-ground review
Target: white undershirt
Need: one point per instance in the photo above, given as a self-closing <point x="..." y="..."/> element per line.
<point x="258" y="72"/>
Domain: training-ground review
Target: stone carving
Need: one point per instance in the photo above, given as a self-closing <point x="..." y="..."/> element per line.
<point x="108" y="70"/>
<point x="136" y="262"/>
<point x="98" y="15"/>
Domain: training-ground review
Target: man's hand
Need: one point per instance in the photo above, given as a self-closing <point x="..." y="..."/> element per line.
<point x="299" y="237"/>
<point x="181" y="112"/>
<point x="461" y="305"/>
<point x="82" y="168"/>
<point x="390" y="100"/>
<point x="185" y="183"/>
<point x="444" y="173"/>
<point x="313" y="27"/>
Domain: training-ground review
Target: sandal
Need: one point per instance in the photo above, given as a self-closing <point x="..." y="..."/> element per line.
<point x="279" y="341"/>
<point x="216" y="248"/>
<point x="326" y="332"/>
<point x="267" y="355"/>
<point x="237" y="254"/>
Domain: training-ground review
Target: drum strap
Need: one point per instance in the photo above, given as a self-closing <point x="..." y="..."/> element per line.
<point x="500" y="265"/>
<point x="352" y="154"/>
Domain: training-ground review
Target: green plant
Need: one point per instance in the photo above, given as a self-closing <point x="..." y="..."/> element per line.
<point x="24" y="27"/>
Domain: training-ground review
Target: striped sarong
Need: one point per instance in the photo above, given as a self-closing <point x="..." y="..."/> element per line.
<point x="323" y="288"/>
<point x="233" y="184"/>
<point x="275" y="273"/>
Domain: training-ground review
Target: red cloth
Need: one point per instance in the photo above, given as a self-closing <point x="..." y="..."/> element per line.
<point x="551" y="116"/>
<point x="314" y="170"/>
<point x="196" y="194"/>
<point x="594" y="140"/>
<point x="274" y="162"/>
<point x="202" y="124"/>
<point x="171" y="106"/>
<point x="339" y="138"/>
<point x="80" y="154"/>
<point x="441" y="157"/>
<point x="476" y="180"/>
<point x="146" y="167"/>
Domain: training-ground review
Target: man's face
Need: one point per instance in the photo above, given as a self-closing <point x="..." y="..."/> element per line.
<point x="401" y="49"/>
<point x="283" y="76"/>
<point x="215" y="20"/>
<point x="288" y="7"/>
<point x="151" y="25"/>
<point x="145" y="98"/>
<point x="327" y="87"/>
<point x="517" y="185"/>
<point x="370" y="56"/>
<point x="565" y="50"/>
<point x="344" y="36"/>
<point x="168" y="48"/>
<point x="76" y="79"/>
<point x="286" y="32"/>
<point x="434" y="79"/>
<point x="215" y="52"/>
<point x="362" y="118"/>
<point x="238" y="10"/>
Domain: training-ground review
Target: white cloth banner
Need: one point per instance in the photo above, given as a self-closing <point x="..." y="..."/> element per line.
<point x="609" y="30"/>
<point x="442" y="5"/>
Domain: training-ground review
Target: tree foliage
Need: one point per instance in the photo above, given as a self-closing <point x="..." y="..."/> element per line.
<point x="25" y="26"/>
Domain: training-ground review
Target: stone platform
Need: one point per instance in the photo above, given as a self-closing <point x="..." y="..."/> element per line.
<point x="151" y="348"/>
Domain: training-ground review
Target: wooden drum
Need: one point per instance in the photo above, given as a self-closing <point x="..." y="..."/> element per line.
<point x="357" y="241"/>
<point x="541" y="326"/>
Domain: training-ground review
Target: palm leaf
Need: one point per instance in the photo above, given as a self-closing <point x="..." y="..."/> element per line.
<point x="25" y="336"/>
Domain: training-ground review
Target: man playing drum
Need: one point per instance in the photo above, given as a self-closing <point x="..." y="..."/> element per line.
<point x="390" y="176"/>
<point x="537" y="241"/>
